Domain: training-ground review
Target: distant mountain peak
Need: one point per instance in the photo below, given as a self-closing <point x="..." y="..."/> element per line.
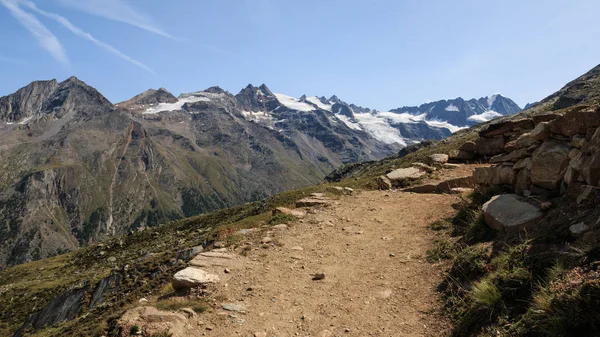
<point x="215" y="90"/>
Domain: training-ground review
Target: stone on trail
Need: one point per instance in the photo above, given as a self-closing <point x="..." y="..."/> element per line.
<point x="507" y="212"/>
<point x="266" y="240"/>
<point x="405" y="173"/>
<point x="191" y="277"/>
<point x="234" y="307"/>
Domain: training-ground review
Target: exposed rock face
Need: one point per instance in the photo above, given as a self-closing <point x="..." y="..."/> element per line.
<point x="106" y="285"/>
<point x="64" y="307"/>
<point x="506" y="212"/>
<point x="26" y="101"/>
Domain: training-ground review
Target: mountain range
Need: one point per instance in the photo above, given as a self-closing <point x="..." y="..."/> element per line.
<point x="75" y="168"/>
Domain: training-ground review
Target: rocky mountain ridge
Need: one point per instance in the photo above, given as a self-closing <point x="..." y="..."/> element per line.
<point x="79" y="169"/>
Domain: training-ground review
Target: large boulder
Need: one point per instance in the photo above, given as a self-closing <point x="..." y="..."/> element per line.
<point x="437" y="159"/>
<point x="191" y="277"/>
<point x="508" y="212"/>
<point x="576" y="120"/>
<point x="549" y="164"/>
<point x="490" y="146"/>
<point x="468" y="147"/>
<point x="494" y="175"/>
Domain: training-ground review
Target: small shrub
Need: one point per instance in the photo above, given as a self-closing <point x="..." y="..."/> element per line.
<point x="135" y="330"/>
<point x="439" y="225"/>
<point x="486" y="295"/>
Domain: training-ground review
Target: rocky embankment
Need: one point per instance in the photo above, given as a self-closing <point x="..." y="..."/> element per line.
<point x="542" y="157"/>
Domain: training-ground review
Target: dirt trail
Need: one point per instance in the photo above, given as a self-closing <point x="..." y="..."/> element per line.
<point x="370" y="246"/>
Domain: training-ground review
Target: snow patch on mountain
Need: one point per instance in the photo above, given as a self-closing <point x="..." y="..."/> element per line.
<point x="162" y="107"/>
<point x="408" y="118"/>
<point x="293" y="103"/>
<point x="485" y="116"/>
<point x="348" y="122"/>
<point x="379" y="128"/>
<point x="452" y="107"/>
<point x="316" y="101"/>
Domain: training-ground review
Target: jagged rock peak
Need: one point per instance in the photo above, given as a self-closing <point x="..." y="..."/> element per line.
<point x="335" y="99"/>
<point x="215" y="90"/>
<point x="151" y="96"/>
<point x="265" y="89"/>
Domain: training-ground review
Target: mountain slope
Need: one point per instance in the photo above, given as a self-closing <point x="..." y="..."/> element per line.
<point x="76" y="169"/>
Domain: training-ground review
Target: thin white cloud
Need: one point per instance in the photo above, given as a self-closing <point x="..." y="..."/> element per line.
<point x="42" y="34"/>
<point x="118" y="10"/>
<point x="79" y="32"/>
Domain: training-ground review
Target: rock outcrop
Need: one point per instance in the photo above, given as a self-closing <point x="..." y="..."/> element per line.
<point x="548" y="157"/>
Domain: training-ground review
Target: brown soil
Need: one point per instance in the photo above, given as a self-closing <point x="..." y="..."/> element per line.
<point x="370" y="246"/>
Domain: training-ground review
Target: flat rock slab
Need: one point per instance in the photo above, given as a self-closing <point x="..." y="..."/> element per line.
<point x="405" y="173"/>
<point x="507" y="212"/>
<point x="235" y="307"/>
<point x="213" y="259"/>
<point x="426" y="188"/>
<point x="219" y="255"/>
<point x="312" y="202"/>
<point x="191" y="277"/>
<point x="295" y="212"/>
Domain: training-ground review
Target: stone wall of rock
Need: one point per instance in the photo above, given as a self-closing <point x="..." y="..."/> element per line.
<point x="545" y="154"/>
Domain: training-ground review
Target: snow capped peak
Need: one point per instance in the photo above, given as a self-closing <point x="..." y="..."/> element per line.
<point x="293" y="103"/>
<point x="318" y="102"/>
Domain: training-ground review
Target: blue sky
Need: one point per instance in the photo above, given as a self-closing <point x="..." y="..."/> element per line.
<point x="378" y="53"/>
